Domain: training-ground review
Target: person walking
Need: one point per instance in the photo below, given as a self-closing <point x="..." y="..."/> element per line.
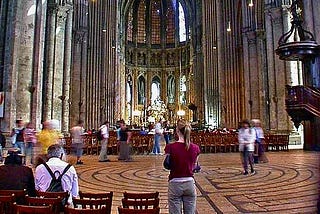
<point x="157" y="138"/>
<point x="259" y="140"/>
<point x="77" y="133"/>
<point x="18" y="136"/>
<point x="124" y="139"/>
<point x="246" y="137"/>
<point x="103" y="157"/>
<point x="183" y="160"/>
<point x="30" y="139"/>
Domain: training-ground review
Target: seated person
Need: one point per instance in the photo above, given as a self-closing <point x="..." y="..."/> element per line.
<point x="57" y="163"/>
<point x="15" y="176"/>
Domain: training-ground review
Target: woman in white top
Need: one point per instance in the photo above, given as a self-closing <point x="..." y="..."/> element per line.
<point x="246" y="137"/>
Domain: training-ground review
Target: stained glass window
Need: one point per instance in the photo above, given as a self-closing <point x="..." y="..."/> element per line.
<point x="170" y="30"/>
<point x="155" y="21"/>
<point x="130" y="25"/>
<point x="182" y="24"/>
<point x="141" y="22"/>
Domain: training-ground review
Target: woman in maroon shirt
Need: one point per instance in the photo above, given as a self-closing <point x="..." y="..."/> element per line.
<point x="183" y="158"/>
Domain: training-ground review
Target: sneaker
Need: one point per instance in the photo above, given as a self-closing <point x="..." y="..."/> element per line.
<point x="245" y="173"/>
<point x="253" y="172"/>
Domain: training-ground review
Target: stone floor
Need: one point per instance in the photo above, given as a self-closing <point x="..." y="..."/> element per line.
<point x="287" y="184"/>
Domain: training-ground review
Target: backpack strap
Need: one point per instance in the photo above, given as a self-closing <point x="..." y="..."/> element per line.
<point x="49" y="170"/>
<point x="64" y="171"/>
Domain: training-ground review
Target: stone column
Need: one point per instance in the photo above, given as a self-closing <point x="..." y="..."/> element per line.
<point x="49" y="61"/>
<point x="8" y="61"/>
<point x="66" y="72"/>
<point x="37" y="66"/>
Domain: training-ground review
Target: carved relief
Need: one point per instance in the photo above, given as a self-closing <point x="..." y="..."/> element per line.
<point x="79" y="36"/>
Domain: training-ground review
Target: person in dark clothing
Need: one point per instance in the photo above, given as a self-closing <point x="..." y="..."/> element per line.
<point x="2" y="140"/>
<point x="124" y="138"/>
<point x="2" y="144"/>
<point x="15" y="176"/>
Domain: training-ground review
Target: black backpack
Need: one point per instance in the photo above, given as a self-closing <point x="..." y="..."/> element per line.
<point x="55" y="184"/>
<point x="100" y="135"/>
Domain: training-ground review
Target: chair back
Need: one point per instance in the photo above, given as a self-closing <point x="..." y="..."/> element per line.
<point x="62" y="195"/>
<point x="134" y="211"/>
<point x="140" y="200"/>
<point x="91" y="203"/>
<point x="102" y="195"/>
<point x="143" y="204"/>
<point x="141" y="196"/>
<point x="23" y="209"/>
<point x="19" y="195"/>
<point x="6" y="204"/>
<point x="55" y="203"/>
<point x="70" y="210"/>
<point x="106" y="198"/>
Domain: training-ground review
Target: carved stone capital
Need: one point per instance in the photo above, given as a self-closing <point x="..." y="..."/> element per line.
<point x="79" y="35"/>
<point x="52" y="8"/>
<point x="62" y="13"/>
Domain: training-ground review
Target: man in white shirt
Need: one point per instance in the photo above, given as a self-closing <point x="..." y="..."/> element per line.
<point x="104" y="142"/>
<point x="69" y="181"/>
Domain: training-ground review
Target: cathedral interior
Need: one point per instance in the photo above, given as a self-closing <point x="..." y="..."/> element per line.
<point x="212" y="62"/>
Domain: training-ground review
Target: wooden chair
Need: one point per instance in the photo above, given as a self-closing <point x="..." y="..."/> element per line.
<point x="19" y="195"/>
<point x="140" y="200"/>
<point x="134" y="211"/>
<point x="143" y="204"/>
<point x="54" y="203"/>
<point x="6" y="204"/>
<point x="70" y="210"/>
<point x="62" y="195"/>
<point x="96" y="145"/>
<point x="141" y="196"/>
<point x="67" y="145"/>
<point x="91" y="203"/>
<point x="22" y="209"/>
<point x="86" y="195"/>
<point x="102" y="199"/>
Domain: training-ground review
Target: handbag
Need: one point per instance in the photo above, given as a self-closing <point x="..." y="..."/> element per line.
<point x="166" y="162"/>
<point x="197" y="168"/>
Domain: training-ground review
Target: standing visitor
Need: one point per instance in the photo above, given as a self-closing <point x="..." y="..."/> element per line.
<point x="166" y="132"/>
<point x="157" y="138"/>
<point x="2" y="144"/>
<point x="183" y="159"/>
<point x="17" y="136"/>
<point x="124" y="139"/>
<point x="246" y="137"/>
<point x="46" y="137"/>
<point x="103" y="157"/>
<point x="31" y="140"/>
<point x="259" y="140"/>
<point x="77" y="141"/>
